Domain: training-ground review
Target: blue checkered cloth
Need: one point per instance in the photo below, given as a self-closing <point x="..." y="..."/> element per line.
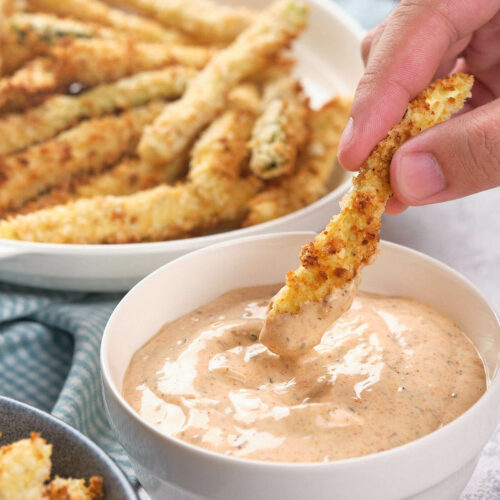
<point x="49" y="357"/>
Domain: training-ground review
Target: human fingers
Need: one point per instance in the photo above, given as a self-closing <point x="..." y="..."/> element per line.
<point x="454" y="159"/>
<point x="403" y="62"/>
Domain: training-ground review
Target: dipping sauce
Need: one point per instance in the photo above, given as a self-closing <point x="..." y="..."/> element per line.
<point x="388" y="371"/>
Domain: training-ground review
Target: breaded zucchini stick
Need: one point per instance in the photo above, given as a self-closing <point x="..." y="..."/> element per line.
<point x="129" y="176"/>
<point x="206" y="94"/>
<point x="281" y="129"/>
<point x="218" y="154"/>
<point x="314" y="166"/>
<point x="204" y="20"/>
<point x="90" y="62"/>
<point x="156" y="214"/>
<point x="31" y="35"/>
<point x="333" y="260"/>
<point x="95" y="11"/>
<point x="27" y="85"/>
<point x="18" y="131"/>
<point x="89" y="147"/>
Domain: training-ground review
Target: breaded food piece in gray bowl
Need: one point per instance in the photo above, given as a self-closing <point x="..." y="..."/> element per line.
<point x="34" y="446"/>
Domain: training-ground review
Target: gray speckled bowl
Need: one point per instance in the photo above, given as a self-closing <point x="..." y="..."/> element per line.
<point x="73" y="454"/>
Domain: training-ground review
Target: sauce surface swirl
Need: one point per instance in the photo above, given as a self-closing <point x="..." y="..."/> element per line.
<point x="388" y="371"/>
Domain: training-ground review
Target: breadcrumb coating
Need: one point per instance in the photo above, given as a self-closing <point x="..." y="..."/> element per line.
<point x="281" y="130"/>
<point x="129" y="176"/>
<point x="97" y="12"/>
<point x="219" y="153"/>
<point x="24" y="468"/>
<point x="351" y="238"/>
<point x="91" y="62"/>
<point x="314" y="166"/>
<point x="206" y="94"/>
<point x="74" y="489"/>
<point x="204" y="20"/>
<point x="57" y="113"/>
<point x="88" y="147"/>
<point x="152" y="215"/>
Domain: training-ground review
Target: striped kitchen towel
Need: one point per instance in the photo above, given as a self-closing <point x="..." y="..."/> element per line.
<point x="49" y="357"/>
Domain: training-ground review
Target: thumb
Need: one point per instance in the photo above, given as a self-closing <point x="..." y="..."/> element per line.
<point x="451" y="160"/>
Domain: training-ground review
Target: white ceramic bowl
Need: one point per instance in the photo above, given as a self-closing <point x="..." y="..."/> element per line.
<point x="329" y="61"/>
<point x="437" y="466"/>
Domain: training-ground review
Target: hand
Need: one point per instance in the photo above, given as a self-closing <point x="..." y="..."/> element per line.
<point x="420" y="41"/>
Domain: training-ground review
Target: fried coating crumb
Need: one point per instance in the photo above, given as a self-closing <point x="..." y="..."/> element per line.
<point x="24" y="468"/>
<point x="314" y="166"/>
<point x="351" y="238"/>
<point x="74" y="489"/>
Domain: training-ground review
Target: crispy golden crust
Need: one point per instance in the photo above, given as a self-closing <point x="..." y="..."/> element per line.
<point x="88" y="147"/>
<point x="91" y="62"/>
<point x="351" y="238"/>
<point x="74" y="489"/>
<point x="215" y="194"/>
<point x="204" y="20"/>
<point x="281" y="129"/>
<point x="206" y="94"/>
<point x="129" y="176"/>
<point x="97" y="12"/>
<point x="24" y="467"/>
<point x="219" y="153"/>
<point x="20" y="130"/>
<point x="152" y="215"/>
<point x="314" y="167"/>
<point x="28" y="85"/>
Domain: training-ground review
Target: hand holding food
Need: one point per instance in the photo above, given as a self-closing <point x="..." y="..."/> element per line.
<point x="416" y="43"/>
<point x="323" y="287"/>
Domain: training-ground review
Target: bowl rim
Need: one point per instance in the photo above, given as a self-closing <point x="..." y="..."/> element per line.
<point x="492" y="386"/>
<point x="16" y="247"/>
<point x="67" y="429"/>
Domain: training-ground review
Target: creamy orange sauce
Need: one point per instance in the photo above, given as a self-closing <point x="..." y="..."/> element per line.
<point x="388" y="371"/>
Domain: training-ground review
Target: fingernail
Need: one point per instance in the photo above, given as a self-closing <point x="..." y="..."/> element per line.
<point x="347" y="134"/>
<point x="418" y="176"/>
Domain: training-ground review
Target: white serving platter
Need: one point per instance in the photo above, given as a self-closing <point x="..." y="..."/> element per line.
<point x="329" y="62"/>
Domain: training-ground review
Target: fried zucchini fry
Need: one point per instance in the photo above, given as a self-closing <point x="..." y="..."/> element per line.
<point x="28" y="85"/>
<point x="314" y="166"/>
<point x="218" y="154"/>
<point x="27" y="36"/>
<point x="156" y="214"/>
<point x="74" y="489"/>
<point x="206" y="21"/>
<point x="31" y="35"/>
<point x="89" y="147"/>
<point x="350" y="240"/>
<point x="97" y="12"/>
<point x="281" y="129"/>
<point x="18" y="131"/>
<point x="206" y="94"/>
<point x="129" y="176"/>
<point x="90" y="62"/>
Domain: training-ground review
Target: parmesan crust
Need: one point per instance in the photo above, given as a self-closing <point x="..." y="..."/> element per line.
<point x="351" y="238"/>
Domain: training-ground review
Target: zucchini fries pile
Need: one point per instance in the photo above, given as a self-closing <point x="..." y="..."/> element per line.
<point x="161" y="121"/>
